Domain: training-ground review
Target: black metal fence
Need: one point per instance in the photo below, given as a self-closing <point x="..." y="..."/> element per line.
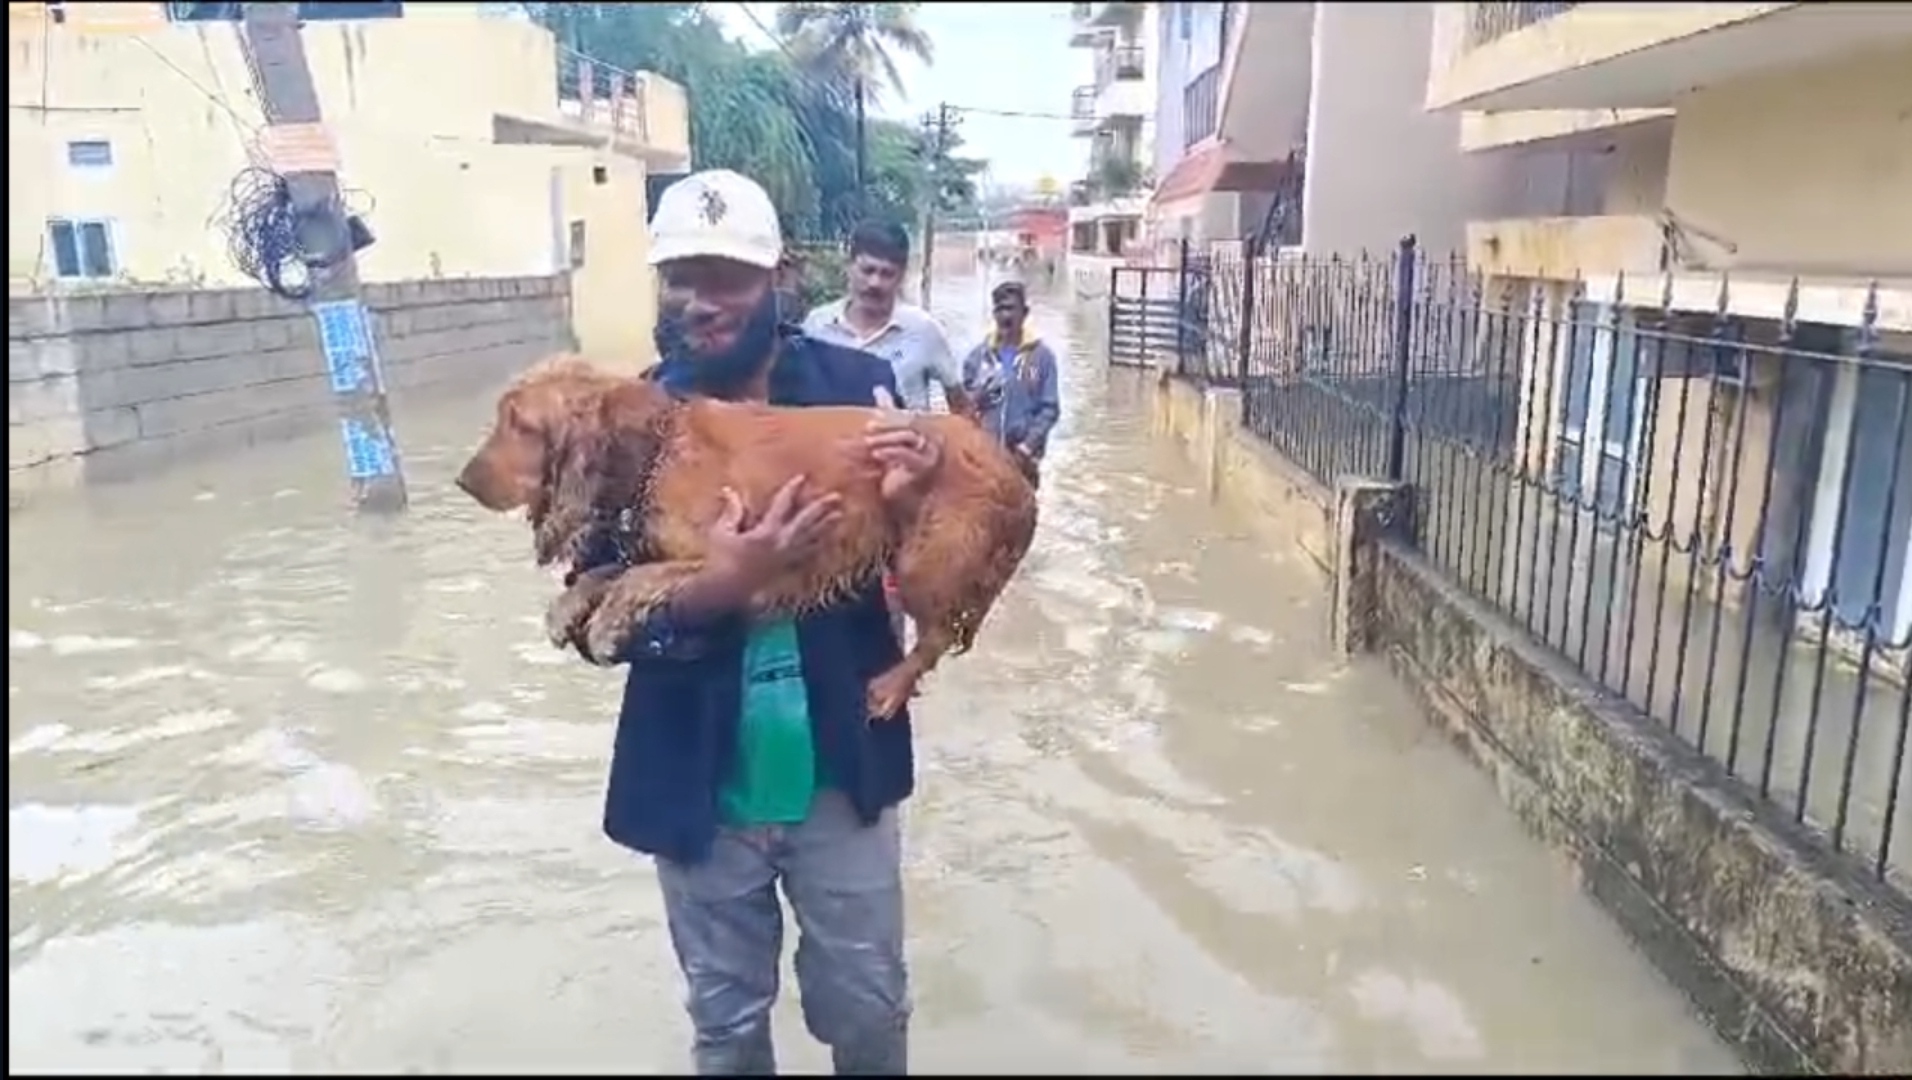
<point x="1709" y="514"/>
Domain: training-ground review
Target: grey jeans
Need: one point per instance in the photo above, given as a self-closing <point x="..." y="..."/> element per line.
<point x="845" y="885"/>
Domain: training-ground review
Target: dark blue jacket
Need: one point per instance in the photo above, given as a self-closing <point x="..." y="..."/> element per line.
<point x="677" y="730"/>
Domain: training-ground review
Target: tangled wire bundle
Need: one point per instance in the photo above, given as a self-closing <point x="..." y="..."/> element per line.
<point x="277" y="244"/>
<point x="263" y="233"/>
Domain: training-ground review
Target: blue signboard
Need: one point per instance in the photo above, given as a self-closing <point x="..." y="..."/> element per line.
<point x="368" y="449"/>
<point x="345" y="337"/>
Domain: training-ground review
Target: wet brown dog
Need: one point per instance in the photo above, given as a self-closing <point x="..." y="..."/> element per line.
<point x="584" y="450"/>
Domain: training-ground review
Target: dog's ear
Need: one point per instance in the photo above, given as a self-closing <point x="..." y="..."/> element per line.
<point x="505" y="471"/>
<point x="597" y="458"/>
<point x="575" y="459"/>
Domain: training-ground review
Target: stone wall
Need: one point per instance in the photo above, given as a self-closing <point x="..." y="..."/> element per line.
<point x="104" y="386"/>
<point x="1798" y="958"/>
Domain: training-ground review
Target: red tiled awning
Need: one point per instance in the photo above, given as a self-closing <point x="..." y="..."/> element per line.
<point x="1210" y="168"/>
<point x="1195" y="174"/>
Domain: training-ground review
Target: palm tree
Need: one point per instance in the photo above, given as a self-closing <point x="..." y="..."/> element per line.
<point x="852" y="46"/>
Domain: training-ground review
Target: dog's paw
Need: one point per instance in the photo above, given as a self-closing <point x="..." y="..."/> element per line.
<point x="887" y="694"/>
<point x="566" y="615"/>
<point x="604" y="637"/>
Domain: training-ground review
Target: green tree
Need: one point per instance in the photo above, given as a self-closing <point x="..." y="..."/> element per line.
<point x="852" y="47"/>
<point x="753" y="111"/>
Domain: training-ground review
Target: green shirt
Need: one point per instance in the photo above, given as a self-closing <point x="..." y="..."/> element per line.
<point x="776" y="775"/>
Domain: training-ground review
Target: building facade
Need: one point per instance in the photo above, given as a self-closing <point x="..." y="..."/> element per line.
<point x="1303" y="123"/>
<point x="1757" y="159"/>
<point x="131" y="121"/>
<point x="1112" y="112"/>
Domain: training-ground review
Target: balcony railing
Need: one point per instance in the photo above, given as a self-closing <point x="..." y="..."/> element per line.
<point x="600" y="95"/>
<point x="1201" y="106"/>
<point x="1120" y="62"/>
<point x="1488" y="21"/>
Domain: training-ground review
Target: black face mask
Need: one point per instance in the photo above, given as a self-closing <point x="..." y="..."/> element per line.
<point x="723" y="373"/>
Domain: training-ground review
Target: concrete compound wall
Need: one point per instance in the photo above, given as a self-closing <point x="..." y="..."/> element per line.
<point x="104" y="386"/>
<point x="1800" y="961"/>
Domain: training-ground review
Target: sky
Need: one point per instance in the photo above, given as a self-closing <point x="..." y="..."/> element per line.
<point x="1010" y="57"/>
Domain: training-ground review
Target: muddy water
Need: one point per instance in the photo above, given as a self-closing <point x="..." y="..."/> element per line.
<point x="292" y="793"/>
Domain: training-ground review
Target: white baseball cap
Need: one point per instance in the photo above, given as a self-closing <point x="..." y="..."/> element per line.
<point x="720" y="214"/>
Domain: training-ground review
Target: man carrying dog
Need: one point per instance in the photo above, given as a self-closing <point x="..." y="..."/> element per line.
<point x="743" y="759"/>
<point x="873" y="318"/>
<point x="1012" y="378"/>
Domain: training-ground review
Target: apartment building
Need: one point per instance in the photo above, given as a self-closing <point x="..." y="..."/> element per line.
<point x="1305" y="121"/>
<point x="1111" y="112"/>
<point x="1755" y="165"/>
<point x="131" y="121"/>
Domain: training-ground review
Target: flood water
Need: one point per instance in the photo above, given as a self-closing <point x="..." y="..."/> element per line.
<point x="290" y="792"/>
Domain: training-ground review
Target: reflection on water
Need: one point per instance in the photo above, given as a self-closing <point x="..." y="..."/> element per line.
<point x="294" y="792"/>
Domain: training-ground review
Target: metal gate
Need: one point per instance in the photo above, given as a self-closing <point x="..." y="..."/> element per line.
<point x="1144" y="314"/>
<point x="1192" y="313"/>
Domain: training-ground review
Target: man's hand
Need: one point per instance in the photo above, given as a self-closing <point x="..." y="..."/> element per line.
<point x="745" y="556"/>
<point x="909" y="455"/>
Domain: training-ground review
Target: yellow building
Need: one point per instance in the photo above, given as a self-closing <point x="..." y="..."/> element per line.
<point x="473" y="145"/>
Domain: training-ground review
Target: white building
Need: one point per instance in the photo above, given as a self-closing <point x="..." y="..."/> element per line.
<point x="1113" y="111"/>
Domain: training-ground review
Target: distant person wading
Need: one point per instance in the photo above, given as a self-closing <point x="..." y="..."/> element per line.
<point x="1014" y="381"/>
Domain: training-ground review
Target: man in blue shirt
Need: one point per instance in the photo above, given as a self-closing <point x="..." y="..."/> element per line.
<point x="743" y="758"/>
<point x="1013" y="379"/>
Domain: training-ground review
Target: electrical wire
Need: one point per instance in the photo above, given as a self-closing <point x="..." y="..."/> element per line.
<point x="264" y="233"/>
<point x="271" y="240"/>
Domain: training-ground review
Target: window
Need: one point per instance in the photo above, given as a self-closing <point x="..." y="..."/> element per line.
<point x="577" y="245"/>
<point x="1599" y="409"/>
<point x="89" y="154"/>
<point x="82" y="248"/>
<point x="1185" y="21"/>
<point x="1867" y="480"/>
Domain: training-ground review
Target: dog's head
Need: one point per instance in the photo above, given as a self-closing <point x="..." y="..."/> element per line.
<point x="569" y="443"/>
<point x="537" y="417"/>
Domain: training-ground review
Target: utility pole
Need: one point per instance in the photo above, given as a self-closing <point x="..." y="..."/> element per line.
<point x="301" y="150"/>
<point x="936" y="132"/>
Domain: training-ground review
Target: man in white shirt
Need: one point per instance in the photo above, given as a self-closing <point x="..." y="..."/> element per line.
<point x="874" y="320"/>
